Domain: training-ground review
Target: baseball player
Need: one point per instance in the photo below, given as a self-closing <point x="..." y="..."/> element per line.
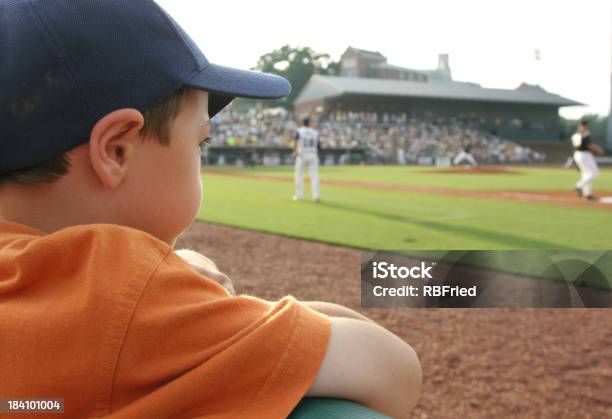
<point x="465" y="154"/>
<point x="583" y="156"/>
<point x="306" y="147"/>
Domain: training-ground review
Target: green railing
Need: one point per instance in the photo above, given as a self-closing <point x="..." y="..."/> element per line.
<point x="323" y="408"/>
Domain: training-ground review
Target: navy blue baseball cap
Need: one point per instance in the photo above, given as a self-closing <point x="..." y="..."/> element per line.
<point x="64" y="64"/>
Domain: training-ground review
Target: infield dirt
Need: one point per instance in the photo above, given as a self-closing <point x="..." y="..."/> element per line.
<point x="552" y="197"/>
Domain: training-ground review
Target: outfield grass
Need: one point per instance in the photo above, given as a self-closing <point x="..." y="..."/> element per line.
<point x="390" y="220"/>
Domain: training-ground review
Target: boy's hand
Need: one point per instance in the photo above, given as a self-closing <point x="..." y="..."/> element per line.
<point x="206" y="267"/>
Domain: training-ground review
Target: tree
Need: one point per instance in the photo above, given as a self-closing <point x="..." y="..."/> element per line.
<point x="296" y="64"/>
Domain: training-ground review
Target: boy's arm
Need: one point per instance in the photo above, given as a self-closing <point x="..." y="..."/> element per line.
<point x="369" y="365"/>
<point x="335" y="310"/>
<point x="364" y="362"/>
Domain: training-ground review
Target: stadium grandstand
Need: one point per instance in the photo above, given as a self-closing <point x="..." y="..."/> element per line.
<point x="376" y="112"/>
<point x="265" y="137"/>
<point x="367" y="83"/>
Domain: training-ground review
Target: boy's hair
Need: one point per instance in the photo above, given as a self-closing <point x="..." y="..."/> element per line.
<point x="584" y="123"/>
<point x="158" y="118"/>
<point x="306" y="121"/>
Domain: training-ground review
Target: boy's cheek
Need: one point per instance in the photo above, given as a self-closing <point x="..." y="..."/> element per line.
<point x="191" y="201"/>
<point x="198" y="199"/>
<point x="200" y="189"/>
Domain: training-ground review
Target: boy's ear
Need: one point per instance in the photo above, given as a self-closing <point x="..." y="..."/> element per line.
<point x="112" y="144"/>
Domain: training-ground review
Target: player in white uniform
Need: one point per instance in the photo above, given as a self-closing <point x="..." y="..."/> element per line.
<point x="583" y="156"/>
<point x="306" y="149"/>
<point x="465" y="155"/>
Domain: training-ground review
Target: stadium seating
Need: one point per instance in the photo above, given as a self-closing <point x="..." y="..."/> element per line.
<point x="390" y="141"/>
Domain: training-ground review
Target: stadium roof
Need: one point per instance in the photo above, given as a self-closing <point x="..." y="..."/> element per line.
<point x="395" y="67"/>
<point x="368" y="54"/>
<point x="321" y="87"/>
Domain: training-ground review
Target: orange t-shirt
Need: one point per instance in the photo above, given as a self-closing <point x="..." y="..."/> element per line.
<point x="113" y="321"/>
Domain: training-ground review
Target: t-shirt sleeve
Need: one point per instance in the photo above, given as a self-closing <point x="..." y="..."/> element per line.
<point x="191" y="349"/>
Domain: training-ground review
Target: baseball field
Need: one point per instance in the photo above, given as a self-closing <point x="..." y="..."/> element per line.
<point x="477" y="363"/>
<point x="397" y="208"/>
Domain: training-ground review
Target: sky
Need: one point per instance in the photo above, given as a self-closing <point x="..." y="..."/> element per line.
<point x="490" y="42"/>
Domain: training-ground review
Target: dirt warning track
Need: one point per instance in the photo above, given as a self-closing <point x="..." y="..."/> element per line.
<point x="477" y="363"/>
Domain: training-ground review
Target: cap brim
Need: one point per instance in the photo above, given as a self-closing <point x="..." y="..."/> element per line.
<point x="226" y="83"/>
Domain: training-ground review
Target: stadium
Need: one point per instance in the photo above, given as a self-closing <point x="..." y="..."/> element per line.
<point x="387" y="183"/>
<point x="347" y="239"/>
<point x="367" y="83"/>
<point x="375" y="112"/>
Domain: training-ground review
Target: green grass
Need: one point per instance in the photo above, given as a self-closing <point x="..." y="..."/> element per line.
<point x="390" y="220"/>
<point x="410" y="222"/>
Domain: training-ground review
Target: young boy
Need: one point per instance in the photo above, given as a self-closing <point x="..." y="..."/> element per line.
<point x="104" y="106"/>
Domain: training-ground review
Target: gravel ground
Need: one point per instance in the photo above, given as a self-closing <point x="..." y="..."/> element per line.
<point x="478" y="363"/>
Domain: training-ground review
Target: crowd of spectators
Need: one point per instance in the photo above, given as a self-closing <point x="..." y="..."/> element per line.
<point x="387" y="138"/>
<point x="268" y="128"/>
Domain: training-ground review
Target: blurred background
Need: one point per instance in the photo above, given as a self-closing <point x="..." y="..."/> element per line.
<point x="396" y="91"/>
<point x="521" y="71"/>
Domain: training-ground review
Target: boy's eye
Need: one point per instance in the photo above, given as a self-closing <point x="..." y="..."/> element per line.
<point x="204" y="144"/>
